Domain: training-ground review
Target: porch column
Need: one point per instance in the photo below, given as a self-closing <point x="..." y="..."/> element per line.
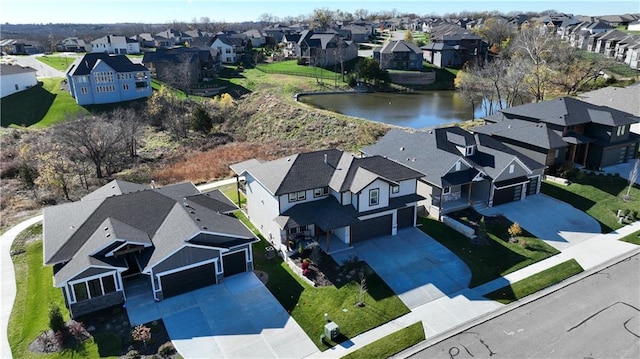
<point x="238" y="190"/>
<point x="328" y="242"/>
<point x="469" y="200"/>
<point x="584" y="157"/>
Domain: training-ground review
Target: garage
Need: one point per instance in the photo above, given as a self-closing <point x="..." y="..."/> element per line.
<point x="506" y="195"/>
<point x="370" y="228"/>
<point x="234" y="263"/>
<point x="406" y="217"/>
<point x="532" y="187"/>
<point x="188" y="280"/>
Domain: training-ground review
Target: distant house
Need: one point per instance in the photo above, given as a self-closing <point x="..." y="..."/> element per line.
<point x="328" y="193"/>
<point x="257" y="38"/>
<point x="173" y="37"/>
<point x="324" y="49"/>
<point x="460" y="169"/>
<point x="175" y="238"/>
<point x="15" y="78"/>
<point x="72" y="44"/>
<point x="230" y="47"/>
<point x="453" y="46"/>
<point x="99" y="78"/>
<point x="115" y="44"/>
<point x="398" y="55"/>
<point x="634" y="26"/>
<point x="291" y="48"/>
<point x="21" y="47"/>
<point x="145" y="39"/>
<point x="595" y="136"/>
<point x="620" y="98"/>
<point x="196" y="64"/>
<point x="357" y="33"/>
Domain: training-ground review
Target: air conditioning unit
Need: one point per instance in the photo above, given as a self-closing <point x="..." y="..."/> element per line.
<point x="331" y="331"/>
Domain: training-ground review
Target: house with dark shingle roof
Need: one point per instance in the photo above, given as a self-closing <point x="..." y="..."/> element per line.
<point x="460" y="169"/>
<point x="453" y="46"/>
<point x="231" y="47"/>
<point x="99" y="78"/>
<point x="399" y="55"/>
<point x="595" y="136"/>
<point x="324" y="49"/>
<point x="15" y="78"/>
<point x="175" y="237"/>
<point x="192" y="62"/>
<point x="328" y="193"/>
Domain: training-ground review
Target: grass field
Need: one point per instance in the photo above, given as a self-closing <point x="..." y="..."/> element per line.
<point x="391" y="344"/>
<point x="632" y="238"/>
<point x="60" y="63"/>
<point x="488" y="262"/>
<point x="291" y="67"/>
<point x="40" y="106"/>
<point x="536" y="282"/>
<point x="598" y="195"/>
<point x="307" y="304"/>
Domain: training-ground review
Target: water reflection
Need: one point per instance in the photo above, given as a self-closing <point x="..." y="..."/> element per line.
<point x="415" y="110"/>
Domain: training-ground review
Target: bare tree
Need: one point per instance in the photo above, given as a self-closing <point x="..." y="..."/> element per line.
<point x="496" y="31"/>
<point x="180" y="74"/>
<point x="633" y="176"/>
<point x="536" y="47"/>
<point x="322" y="18"/>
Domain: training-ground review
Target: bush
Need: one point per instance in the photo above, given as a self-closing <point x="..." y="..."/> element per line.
<point x="133" y="354"/>
<point x="56" y="321"/>
<point x="304" y="265"/>
<point x="166" y="350"/>
<point x="352" y="80"/>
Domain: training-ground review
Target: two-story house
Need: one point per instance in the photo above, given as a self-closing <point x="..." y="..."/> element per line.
<point x="460" y="169"/>
<point x="595" y="136"/>
<point x="99" y="78"/>
<point x="328" y="193"/>
<point x="188" y="62"/>
<point x="115" y="44"/>
<point x="15" y="78"/>
<point x="454" y="46"/>
<point x="399" y="55"/>
<point x="230" y="47"/>
<point x="324" y="49"/>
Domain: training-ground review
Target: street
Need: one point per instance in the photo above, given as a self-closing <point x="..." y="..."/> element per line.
<point x="596" y="317"/>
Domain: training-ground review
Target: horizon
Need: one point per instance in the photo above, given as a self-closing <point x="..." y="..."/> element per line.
<point x="17" y="12"/>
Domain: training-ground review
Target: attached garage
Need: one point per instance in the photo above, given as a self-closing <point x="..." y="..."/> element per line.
<point x="406" y="217"/>
<point x="234" y="263"/>
<point x="188" y="280"/>
<point x="532" y="187"/>
<point x="506" y="195"/>
<point x="370" y="228"/>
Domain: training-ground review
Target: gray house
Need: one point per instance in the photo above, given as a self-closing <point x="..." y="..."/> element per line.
<point x="399" y="55"/>
<point x="175" y="237"/>
<point x="595" y="136"/>
<point x="460" y="169"/>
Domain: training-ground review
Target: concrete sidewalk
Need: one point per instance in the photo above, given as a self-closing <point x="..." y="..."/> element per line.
<point x="450" y="312"/>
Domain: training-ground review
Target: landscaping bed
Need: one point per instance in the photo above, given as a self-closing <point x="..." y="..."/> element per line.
<point x="490" y="257"/>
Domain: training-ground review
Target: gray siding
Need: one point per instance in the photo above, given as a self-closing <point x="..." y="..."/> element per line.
<point x="184" y="257"/>
<point x="518" y="172"/>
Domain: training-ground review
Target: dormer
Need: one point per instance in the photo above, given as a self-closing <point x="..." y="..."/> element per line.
<point x="469" y="150"/>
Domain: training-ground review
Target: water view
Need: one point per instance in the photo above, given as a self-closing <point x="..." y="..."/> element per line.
<point x="415" y="109"/>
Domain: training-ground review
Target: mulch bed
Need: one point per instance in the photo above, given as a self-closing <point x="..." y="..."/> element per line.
<point x="328" y="272"/>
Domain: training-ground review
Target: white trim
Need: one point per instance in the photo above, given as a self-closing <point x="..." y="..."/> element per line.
<point x="246" y="257"/>
<point x="527" y="169"/>
<point x="114" y="269"/>
<point x="149" y="269"/>
<point x="111" y="253"/>
<point x="86" y="284"/>
<point x="180" y="269"/>
<point x="511" y="185"/>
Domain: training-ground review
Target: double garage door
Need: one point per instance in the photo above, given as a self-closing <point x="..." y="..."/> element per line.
<point x="506" y="195"/>
<point x="370" y="228"/>
<point x="201" y="276"/>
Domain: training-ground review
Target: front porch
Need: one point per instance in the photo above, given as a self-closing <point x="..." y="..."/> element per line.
<point x="140" y="304"/>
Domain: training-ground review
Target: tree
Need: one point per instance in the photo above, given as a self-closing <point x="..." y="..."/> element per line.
<point x="536" y="48"/>
<point x="200" y="120"/>
<point x="182" y="73"/>
<point x="408" y="36"/>
<point x="369" y="69"/>
<point x="633" y="176"/>
<point x="321" y="18"/>
<point x="515" y="230"/>
<point x="496" y="31"/>
<point x="141" y="334"/>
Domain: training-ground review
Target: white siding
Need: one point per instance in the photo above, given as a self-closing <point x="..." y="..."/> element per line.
<point x="383" y="196"/>
<point x="285" y="204"/>
<point x="406" y="188"/>
<point x="262" y="208"/>
<point x="22" y="81"/>
<point x="343" y="234"/>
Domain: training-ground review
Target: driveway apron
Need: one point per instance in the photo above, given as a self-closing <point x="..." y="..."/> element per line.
<point x="415" y="266"/>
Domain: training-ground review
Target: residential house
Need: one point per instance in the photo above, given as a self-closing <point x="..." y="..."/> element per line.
<point x="453" y="46"/>
<point x="579" y="35"/>
<point x="290" y="49"/>
<point x="625" y="46"/>
<point x="399" y="55"/>
<point x="257" y="38"/>
<point x="186" y="62"/>
<point x="230" y="47"/>
<point x="99" y="78"/>
<point x="634" y="26"/>
<point x="328" y="193"/>
<point x="115" y="44"/>
<point x="357" y="33"/>
<point x="20" y="47"/>
<point x="596" y="136"/>
<point x="324" y="49"/>
<point x="175" y="238"/>
<point x="620" y="98"/>
<point x="174" y="37"/>
<point x="460" y="169"/>
<point x="71" y="44"/>
<point x="606" y="44"/>
<point x="145" y="39"/>
<point x="15" y="78"/>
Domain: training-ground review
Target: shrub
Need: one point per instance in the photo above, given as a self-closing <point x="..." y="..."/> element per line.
<point x="141" y="334"/>
<point x="133" y="354"/>
<point x="56" y="321"/>
<point x="515" y="230"/>
<point x="352" y="80"/>
<point x="306" y="272"/>
<point x="77" y="330"/>
<point x="304" y="265"/>
<point x="166" y="350"/>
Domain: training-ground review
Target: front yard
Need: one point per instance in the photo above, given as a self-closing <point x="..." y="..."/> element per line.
<point x="599" y="196"/>
<point x="495" y="257"/>
<point x="308" y="304"/>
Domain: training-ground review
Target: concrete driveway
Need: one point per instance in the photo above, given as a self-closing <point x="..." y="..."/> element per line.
<point x="239" y="318"/>
<point x="623" y="169"/>
<point x="416" y="267"/>
<point x="558" y="223"/>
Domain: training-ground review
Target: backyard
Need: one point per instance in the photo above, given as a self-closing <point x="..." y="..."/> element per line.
<point x="58" y="62"/>
<point x="600" y="196"/>
<point x="308" y="304"/>
<point x="493" y="257"/>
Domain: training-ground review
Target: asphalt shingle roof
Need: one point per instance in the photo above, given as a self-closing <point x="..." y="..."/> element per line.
<point x="119" y="63"/>
<point x="533" y="133"/>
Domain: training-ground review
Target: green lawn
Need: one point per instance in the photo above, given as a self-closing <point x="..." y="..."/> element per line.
<point x="488" y="262"/>
<point x="60" y="63"/>
<point x="291" y="67"/>
<point x="598" y="196"/>
<point x="40" y="106"/>
<point x="444" y="78"/>
<point x="307" y="304"/>
<point x="29" y="316"/>
<point x="391" y="344"/>
<point x="536" y="282"/>
<point x="231" y="192"/>
<point x="632" y="238"/>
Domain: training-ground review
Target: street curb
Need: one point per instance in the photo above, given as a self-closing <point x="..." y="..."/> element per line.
<point x="511" y="306"/>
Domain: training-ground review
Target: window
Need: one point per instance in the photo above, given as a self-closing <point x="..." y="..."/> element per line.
<point x="621" y="130"/>
<point x="557" y="154"/>
<point x="108" y="284"/>
<point x="17" y="88"/>
<point x="297" y="196"/>
<point x="446" y="190"/>
<point x="322" y="191"/>
<point x="469" y="151"/>
<point x="512" y="168"/>
<point x="458" y="166"/>
<point x="80" y="289"/>
<point x="374" y="197"/>
<point x="395" y="189"/>
<point x="95" y="289"/>
<point x="83" y="90"/>
<point x="125" y="86"/>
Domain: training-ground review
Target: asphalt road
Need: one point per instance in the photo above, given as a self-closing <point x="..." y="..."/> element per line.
<point x="596" y="317"/>
<point x="42" y="70"/>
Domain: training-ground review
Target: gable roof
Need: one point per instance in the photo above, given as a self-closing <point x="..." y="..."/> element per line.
<point x="398" y="47"/>
<point x="568" y="111"/>
<point x="619" y="98"/>
<point x="533" y="133"/>
<point x="119" y="63"/>
<point x="6" y="69"/>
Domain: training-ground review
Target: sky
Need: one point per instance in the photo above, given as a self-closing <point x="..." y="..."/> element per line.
<point x="166" y="11"/>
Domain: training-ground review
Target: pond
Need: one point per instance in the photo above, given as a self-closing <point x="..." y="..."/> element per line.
<point x="419" y="109"/>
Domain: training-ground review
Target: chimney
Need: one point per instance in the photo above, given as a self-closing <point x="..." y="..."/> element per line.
<point x="325" y="158"/>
